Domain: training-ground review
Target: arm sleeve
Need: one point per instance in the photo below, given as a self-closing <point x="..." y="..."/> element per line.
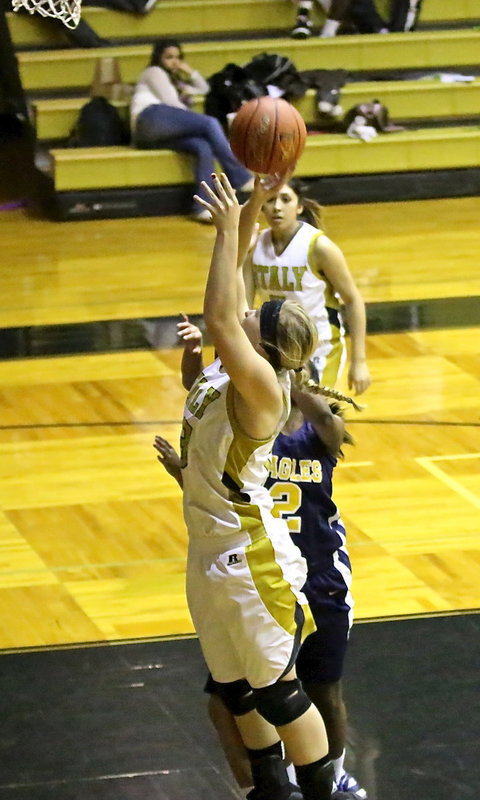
<point x="198" y="83"/>
<point x="161" y="86"/>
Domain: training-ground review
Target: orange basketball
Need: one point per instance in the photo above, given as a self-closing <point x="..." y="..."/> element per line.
<point x="268" y="135"/>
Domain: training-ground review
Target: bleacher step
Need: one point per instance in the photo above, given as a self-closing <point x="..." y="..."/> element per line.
<point x="190" y="18"/>
<point x="405" y="100"/>
<point x="431" y="50"/>
<point x="423" y="149"/>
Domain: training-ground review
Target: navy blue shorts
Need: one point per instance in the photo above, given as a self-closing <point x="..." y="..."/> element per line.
<point x="322" y="654"/>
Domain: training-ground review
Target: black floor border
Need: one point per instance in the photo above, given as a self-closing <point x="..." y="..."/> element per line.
<point x="106" y="336"/>
<point x="182" y="636"/>
<point x="145" y="201"/>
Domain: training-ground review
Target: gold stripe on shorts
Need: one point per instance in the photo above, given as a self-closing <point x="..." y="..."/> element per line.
<point x="274" y="591"/>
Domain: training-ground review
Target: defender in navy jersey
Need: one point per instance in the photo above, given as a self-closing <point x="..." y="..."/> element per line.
<point x="300" y="483"/>
<point x="300" y="478"/>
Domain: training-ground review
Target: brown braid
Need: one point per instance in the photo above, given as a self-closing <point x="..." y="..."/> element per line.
<point x="326" y="391"/>
<point x="310" y="385"/>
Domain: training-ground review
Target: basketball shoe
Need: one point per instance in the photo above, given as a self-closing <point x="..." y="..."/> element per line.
<point x="347" y="784"/>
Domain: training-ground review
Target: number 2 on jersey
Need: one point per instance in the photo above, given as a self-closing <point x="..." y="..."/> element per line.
<point x="287" y="498"/>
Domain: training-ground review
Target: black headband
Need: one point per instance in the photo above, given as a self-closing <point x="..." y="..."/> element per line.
<point x="269" y="314"/>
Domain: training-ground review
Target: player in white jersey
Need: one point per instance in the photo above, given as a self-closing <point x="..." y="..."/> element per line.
<point x="312" y="436"/>
<point x="244" y="575"/>
<point x="295" y="259"/>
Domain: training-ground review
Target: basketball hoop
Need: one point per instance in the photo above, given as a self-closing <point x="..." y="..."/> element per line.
<point x="68" y="11"/>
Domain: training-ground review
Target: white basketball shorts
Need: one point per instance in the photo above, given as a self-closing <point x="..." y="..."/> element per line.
<point x="247" y="605"/>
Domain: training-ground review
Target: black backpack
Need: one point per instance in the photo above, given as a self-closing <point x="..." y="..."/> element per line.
<point x="271" y="68"/>
<point x="98" y="125"/>
<point x="229" y="88"/>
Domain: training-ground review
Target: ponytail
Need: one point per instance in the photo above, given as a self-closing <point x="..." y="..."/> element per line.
<point x="312" y="211"/>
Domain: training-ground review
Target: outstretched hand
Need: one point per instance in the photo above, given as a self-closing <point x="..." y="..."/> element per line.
<point x="222" y="203"/>
<point x="168" y="456"/>
<point x="270" y="184"/>
<point x="190" y="334"/>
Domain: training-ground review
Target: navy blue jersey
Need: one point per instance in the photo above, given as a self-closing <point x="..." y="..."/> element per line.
<point x="300" y="482"/>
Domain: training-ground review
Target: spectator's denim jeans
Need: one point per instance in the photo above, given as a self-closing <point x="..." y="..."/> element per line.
<point x="162" y="126"/>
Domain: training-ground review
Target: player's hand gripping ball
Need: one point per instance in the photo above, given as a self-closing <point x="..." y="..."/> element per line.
<point x="268" y="135"/>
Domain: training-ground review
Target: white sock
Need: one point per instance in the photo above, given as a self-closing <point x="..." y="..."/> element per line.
<point x="291" y="774"/>
<point x="330" y="28"/>
<point x="338" y="766"/>
<point x="304" y="5"/>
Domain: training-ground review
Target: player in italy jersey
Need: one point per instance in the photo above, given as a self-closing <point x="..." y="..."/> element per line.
<point x="294" y="258"/>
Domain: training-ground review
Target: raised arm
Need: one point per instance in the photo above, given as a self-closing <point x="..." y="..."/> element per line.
<point x="252" y="376"/>
<point x="248" y="218"/>
<point x="192" y="357"/>
<point x="263" y="188"/>
<point x="329" y="260"/>
<point x="248" y="280"/>
<point x="329" y="427"/>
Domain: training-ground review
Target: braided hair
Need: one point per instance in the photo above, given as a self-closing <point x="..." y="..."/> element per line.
<point x="335" y="406"/>
<point x="327" y="391"/>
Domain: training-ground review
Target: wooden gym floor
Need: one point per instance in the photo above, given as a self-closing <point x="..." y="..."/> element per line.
<point x="92" y="538"/>
<point x="92" y="543"/>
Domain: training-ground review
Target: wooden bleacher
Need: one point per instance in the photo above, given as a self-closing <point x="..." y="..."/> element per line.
<point x="190" y="18"/>
<point x="67" y="70"/>
<point x="407" y="101"/>
<point x="441" y="136"/>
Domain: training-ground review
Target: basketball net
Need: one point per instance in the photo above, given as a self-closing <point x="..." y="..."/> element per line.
<point x="68" y="11"/>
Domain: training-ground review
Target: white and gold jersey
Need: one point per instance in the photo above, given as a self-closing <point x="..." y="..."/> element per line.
<point x="291" y="276"/>
<point x="223" y="469"/>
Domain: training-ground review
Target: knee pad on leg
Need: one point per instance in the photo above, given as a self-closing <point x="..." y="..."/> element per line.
<point x="237" y="696"/>
<point x="316" y="780"/>
<point x="282" y="702"/>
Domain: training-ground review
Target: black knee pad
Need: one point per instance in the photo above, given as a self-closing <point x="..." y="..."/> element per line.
<point x="237" y="696"/>
<point x="316" y="780"/>
<point x="282" y="702"/>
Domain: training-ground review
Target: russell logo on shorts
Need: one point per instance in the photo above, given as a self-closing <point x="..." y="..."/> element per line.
<point x="233" y="559"/>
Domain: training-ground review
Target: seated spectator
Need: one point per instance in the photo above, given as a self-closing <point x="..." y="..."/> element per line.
<point x="161" y="117"/>
<point x="363" y="14"/>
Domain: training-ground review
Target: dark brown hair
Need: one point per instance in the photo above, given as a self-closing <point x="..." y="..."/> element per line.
<point x="312" y="210"/>
<point x="159" y="47"/>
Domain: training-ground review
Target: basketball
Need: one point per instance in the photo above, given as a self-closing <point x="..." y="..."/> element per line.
<point x="268" y="135"/>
